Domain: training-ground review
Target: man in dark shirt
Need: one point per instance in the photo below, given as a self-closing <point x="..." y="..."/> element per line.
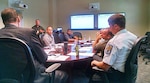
<point x="38" y="28"/>
<point x="69" y="36"/>
<point x="11" y="20"/>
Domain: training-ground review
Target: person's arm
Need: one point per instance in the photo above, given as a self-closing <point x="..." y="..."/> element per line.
<point x="71" y="40"/>
<point x="68" y="38"/>
<point x="100" y="64"/>
<point x="98" y="37"/>
<point x="41" y="31"/>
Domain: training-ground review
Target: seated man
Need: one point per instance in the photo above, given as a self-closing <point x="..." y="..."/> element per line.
<point x="48" y="37"/>
<point x="11" y="20"/>
<point x="117" y="49"/>
<point x="102" y="38"/>
<point x="69" y="36"/>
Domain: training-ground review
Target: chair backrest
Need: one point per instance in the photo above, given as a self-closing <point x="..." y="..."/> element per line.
<point x="41" y="38"/>
<point x="131" y="65"/>
<point x="78" y="34"/>
<point x="16" y="60"/>
<point x="148" y="37"/>
<point x="56" y="37"/>
<point x="62" y="36"/>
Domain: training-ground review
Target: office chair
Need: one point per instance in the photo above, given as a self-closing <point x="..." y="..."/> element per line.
<point x="62" y="37"/>
<point x="145" y="45"/>
<point x="78" y="34"/>
<point x="131" y="65"/>
<point x="41" y="38"/>
<point x="147" y="56"/>
<point x="17" y="63"/>
<point x="9" y="81"/>
<point x="56" y="37"/>
<point x="145" y="48"/>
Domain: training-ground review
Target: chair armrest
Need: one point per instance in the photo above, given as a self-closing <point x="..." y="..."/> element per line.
<point x="96" y="68"/>
<point x="7" y="80"/>
<point x="52" y="68"/>
<point x="105" y="78"/>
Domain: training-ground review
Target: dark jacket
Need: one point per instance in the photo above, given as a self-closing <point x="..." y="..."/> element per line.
<point x="29" y="36"/>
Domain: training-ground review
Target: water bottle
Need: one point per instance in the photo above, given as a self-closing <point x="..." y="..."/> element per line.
<point x="77" y="48"/>
<point x="65" y="47"/>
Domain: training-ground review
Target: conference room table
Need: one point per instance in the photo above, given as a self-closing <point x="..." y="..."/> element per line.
<point x="56" y="53"/>
<point x="70" y="62"/>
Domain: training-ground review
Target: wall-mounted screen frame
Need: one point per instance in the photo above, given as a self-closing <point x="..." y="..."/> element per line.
<point x="82" y="22"/>
<point x="103" y="19"/>
<point x="90" y="21"/>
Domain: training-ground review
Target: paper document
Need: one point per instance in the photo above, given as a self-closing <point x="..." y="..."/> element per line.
<point x="70" y="44"/>
<point x="86" y="49"/>
<point x="81" y="54"/>
<point x="47" y="51"/>
<point x="58" y="57"/>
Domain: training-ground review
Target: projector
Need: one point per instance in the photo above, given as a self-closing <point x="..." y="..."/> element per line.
<point x="23" y="6"/>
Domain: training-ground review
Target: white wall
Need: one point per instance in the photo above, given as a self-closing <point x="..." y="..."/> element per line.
<point x="37" y="9"/>
<point x="3" y="4"/>
<point x="136" y="13"/>
<point x="56" y="12"/>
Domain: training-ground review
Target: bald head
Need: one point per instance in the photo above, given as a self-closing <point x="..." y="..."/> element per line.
<point x="106" y="34"/>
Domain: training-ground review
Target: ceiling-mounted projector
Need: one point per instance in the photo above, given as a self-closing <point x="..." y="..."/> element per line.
<point x="22" y="5"/>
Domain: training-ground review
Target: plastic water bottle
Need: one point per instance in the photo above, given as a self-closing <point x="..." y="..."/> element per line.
<point x="77" y="48"/>
<point x="89" y="39"/>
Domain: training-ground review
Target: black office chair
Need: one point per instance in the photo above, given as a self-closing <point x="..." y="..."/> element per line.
<point x="145" y="45"/>
<point x="17" y="63"/>
<point x="78" y="34"/>
<point x="131" y="65"/>
<point x="56" y="37"/>
<point x="62" y="37"/>
<point x="41" y="39"/>
<point x="145" y="48"/>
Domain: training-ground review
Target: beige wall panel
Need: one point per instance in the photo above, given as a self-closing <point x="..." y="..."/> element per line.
<point x="3" y="4"/>
<point x="136" y="13"/>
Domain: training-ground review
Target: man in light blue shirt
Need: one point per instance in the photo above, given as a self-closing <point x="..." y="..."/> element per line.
<point x="117" y="49"/>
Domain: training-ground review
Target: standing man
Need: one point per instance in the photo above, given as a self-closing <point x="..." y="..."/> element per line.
<point x="48" y="37"/>
<point x="117" y="49"/>
<point x="38" y="28"/>
<point x="11" y="20"/>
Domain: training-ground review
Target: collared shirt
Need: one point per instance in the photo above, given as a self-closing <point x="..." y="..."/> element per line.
<point x="48" y="39"/>
<point x="118" y="48"/>
<point x="37" y="29"/>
